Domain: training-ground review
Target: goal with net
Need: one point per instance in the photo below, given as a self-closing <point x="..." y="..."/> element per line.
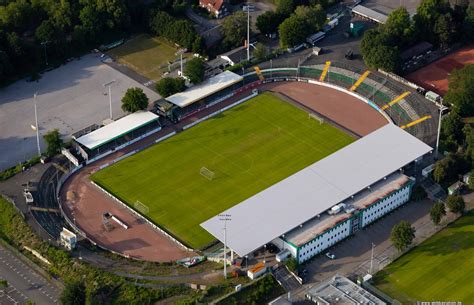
<point x="316" y="117"/>
<point x="140" y="207"/>
<point x="207" y="173"/>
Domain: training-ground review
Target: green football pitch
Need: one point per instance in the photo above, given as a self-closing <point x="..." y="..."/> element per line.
<point x="247" y="148"/>
<point x="440" y="269"/>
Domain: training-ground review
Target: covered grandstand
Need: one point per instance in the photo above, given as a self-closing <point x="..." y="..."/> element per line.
<point x="306" y="195"/>
<point x="128" y="128"/>
<point x="203" y="95"/>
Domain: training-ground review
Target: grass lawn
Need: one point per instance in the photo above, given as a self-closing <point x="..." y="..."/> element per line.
<point x="249" y="148"/>
<point x="145" y="55"/>
<point x="440" y="269"/>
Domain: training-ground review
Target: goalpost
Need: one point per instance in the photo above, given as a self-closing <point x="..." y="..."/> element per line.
<point x="207" y="173"/>
<point x="142" y="208"/>
<point x="316" y="117"/>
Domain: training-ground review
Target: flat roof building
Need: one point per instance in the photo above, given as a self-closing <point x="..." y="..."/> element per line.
<point x="205" y="89"/>
<point x="370" y="14"/>
<point x="339" y="290"/>
<point x="314" y="190"/>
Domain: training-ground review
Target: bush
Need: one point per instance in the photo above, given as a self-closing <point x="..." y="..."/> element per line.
<point x="10" y="172"/>
<point x="418" y="193"/>
<point x="168" y="86"/>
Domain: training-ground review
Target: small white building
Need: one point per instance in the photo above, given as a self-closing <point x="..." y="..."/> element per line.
<point x="68" y="239"/>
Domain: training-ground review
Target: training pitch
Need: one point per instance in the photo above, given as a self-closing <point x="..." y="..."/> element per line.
<point x="148" y="56"/>
<point x="440" y="269"/>
<point x="248" y="148"/>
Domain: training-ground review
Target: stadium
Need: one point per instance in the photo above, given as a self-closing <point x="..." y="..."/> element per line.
<point x="298" y="157"/>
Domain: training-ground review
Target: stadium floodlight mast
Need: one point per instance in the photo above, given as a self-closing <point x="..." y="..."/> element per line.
<point x="248" y="33"/>
<point x="225" y="218"/>
<point x="36" y="126"/>
<point x="109" y="84"/>
<point x="439" y="128"/>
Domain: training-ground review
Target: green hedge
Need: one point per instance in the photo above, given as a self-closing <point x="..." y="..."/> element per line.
<point x="12" y="171"/>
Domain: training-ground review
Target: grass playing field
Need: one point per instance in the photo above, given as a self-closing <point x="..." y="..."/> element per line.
<point x="145" y="55"/>
<point x="249" y="148"/>
<point x="440" y="269"/>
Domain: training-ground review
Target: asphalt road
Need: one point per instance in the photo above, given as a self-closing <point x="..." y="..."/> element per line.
<point x="24" y="283"/>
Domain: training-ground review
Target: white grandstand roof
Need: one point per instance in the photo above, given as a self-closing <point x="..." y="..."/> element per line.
<point x="117" y="129"/>
<point x="208" y="87"/>
<point x="370" y="13"/>
<point x="313" y="190"/>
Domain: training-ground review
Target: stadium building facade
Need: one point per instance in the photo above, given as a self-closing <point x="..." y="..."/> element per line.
<point x="338" y="223"/>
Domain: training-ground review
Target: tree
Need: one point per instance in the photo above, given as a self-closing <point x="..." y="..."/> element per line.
<point x="260" y="52"/>
<point x="160" y="23"/>
<point x="268" y="22"/>
<point x="234" y="29"/>
<point x="134" y="99"/>
<point x="461" y="90"/>
<point x="168" y="86"/>
<point x="313" y="16"/>
<point x="377" y="52"/>
<point x="451" y="130"/>
<point x="54" y="142"/>
<point x="292" y="264"/>
<point x="468" y="24"/>
<point x="399" y="27"/>
<point x="418" y="193"/>
<point x="194" y="70"/>
<point x="293" y="31"/>
<point x="455" y="204"/>
<point x="427" y="13"/>
<point x="445" y="29"/>
<point x="437" y="212"/>
<point x="74" y="293"/>
<point x="285" y="7"/>
<point x="448" y="168"/>
<point x="402" y="235"/>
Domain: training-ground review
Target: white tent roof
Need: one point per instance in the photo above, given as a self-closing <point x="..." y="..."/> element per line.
<point x="116" y="129"/>
<point x="313" y="190"/>
<point x="208" y="87"/>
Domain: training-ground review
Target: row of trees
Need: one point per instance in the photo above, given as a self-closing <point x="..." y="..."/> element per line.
<point x="454" y="203"/>
<point x="58" y="28"/>
<point x="457" y="137"/>
<point x="435" y="22"/>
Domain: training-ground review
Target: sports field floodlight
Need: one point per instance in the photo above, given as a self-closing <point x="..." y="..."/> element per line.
<point x="36" y="126"/>
<point x="225" y="218"/>
<point x="109" y="84"/>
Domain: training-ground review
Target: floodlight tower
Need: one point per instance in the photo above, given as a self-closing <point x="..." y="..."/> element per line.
<point x="225" y="218"/>
<point x="109" y="84"/>
<point x="439" y="129"/>
<point x="36" y="126"/>
<point x="248" y="33"/>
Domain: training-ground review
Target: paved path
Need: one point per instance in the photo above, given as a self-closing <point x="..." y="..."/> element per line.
<point x="24" y="283"/>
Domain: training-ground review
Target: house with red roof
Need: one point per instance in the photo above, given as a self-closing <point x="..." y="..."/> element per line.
<point x="215" y="7"/>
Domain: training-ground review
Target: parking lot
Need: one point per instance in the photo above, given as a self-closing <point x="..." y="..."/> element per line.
<point x="353" y="255"/>
<point x="69" y="98"/>
<point x="24" y="283"/>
